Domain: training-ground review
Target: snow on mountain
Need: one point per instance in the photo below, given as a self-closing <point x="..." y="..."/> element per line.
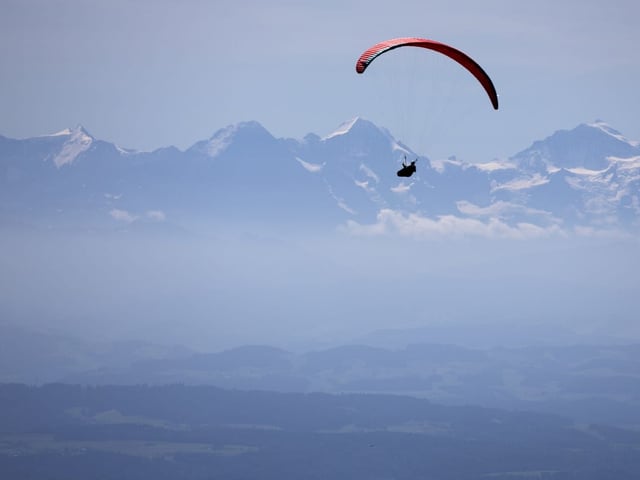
<point x="62" y="133"/>
<point x="441" y="165"/>
<point x="359" y="126"/>
<point x="77" y="141"/>
<point x="494" y="166"/>
<point x="359" y="160"/>
<point x="219" y="142"/>
<point x="612" y="191"/>
<point x="342" y="129"/>
<point x="585" y="175"/>
<point x="588" y="176"/>
<point x="359" y="129"/>
<point x="587" y="146"/>
<point x="521" y="183"/>
<point x="310" y="167"/>
<point x="599" y="124"/>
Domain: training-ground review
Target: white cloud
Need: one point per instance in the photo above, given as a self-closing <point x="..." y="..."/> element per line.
<point x="122" y="216"/>
<point x="129" y="217"/>
<point x="609" y="233"/>
<point x="156" y="215"/>
<point x="502" y="209"/>
<point x="390" y="222"/>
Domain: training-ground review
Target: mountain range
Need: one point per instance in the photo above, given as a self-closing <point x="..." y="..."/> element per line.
<point x="585" y="179"/>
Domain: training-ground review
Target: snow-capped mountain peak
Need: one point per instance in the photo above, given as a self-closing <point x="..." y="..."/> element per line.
<point x="606" y="128"/>
<point x="364" y="135"/>
<point x="343" y="128"/>
<point x="61" y="133"/>
<point x="587" y="176"/>
<point x="586" y="146"/>
<point x="77" y="130"/>
<point x="357" y="125"/>
<point x="223" y="138"/>
<point x="78" y="141"/>
<point x="220" y="140"/>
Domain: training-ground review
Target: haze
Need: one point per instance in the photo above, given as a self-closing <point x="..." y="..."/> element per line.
<point x="299" y="290"/>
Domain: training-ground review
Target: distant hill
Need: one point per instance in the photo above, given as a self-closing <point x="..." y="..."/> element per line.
<point x="36" y="357"/>
<point x="140" y="432"/>
<point x="588" y="383"/>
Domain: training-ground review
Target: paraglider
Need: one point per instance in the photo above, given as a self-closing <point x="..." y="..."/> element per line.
<point x="407" y="170"/>
<point x="462" y="58"/>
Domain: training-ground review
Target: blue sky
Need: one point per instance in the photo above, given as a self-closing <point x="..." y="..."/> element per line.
<point x="151" y="73"/>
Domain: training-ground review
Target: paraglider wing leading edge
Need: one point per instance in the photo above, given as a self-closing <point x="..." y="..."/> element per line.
<point x="462" y="58"/>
